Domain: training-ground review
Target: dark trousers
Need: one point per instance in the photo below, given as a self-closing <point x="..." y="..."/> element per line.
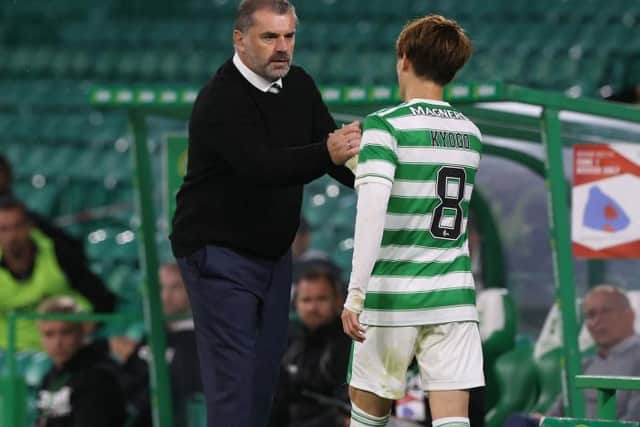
<point x="241" y="309"/>
<point x="520" y="420"/>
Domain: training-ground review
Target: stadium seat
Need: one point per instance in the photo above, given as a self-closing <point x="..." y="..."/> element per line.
<point x="549" y="378"/>
<point x="516" y="379"/>
<point x="498" y="326"/>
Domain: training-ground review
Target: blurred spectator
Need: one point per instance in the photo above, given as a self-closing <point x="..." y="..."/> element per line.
<point x="312" y="390"/>
<point x="6" y="176"/>
<point x="57" y="234"/>
<point x="300" y="248"/>
<point x="609" y="318"/>
<point x="630" y="95"/>
<point x="181" y="353"/>
<point x="34" y="267"/>
<point x="82" y="387"/>
<point x="302" y="240"/>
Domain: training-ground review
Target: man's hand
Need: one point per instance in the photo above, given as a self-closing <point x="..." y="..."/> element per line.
<point x="344" y="143"/>
<point x="351" y="325"/>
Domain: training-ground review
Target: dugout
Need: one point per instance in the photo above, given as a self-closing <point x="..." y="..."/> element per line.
<point x="532" y="128"/>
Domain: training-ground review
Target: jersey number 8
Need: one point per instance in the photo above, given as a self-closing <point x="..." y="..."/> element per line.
<point x="447" y="216"/>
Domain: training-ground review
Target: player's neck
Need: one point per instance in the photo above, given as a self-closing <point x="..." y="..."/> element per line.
<point x="422" y="89"/>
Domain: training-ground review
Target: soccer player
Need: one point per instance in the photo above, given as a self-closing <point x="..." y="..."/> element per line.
<point x="411" y="292"/>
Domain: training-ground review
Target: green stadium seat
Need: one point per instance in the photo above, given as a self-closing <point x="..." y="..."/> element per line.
<point x="319" y="209"/>
<point x="19" y="61"/>
<point x="128" y="66"/>
<point x="196" y="411"/>
<point x="549" y="374"/>
<point x="61" y="64"/>
<point x="323" y="240"/>
<point x="41" y="60"/>
<point x="498" y="326"/>
<point x="343" y="255"/>
<point x="516" y="378"/>
<point x="171" y="66"/>
<point x="106" y="65"/>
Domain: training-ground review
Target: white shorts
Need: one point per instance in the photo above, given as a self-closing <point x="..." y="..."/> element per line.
<point x="449" y="356"/>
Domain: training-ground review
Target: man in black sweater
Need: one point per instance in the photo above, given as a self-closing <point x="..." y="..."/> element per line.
<point x="258" y="131"/>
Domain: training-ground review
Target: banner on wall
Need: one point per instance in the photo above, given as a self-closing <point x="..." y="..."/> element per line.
<point x="606" y="201"/>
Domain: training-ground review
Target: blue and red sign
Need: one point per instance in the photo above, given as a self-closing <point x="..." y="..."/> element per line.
<point x="606" y="201"/>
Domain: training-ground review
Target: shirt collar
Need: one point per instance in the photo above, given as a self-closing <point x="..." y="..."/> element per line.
<point x="623" y="345"/>
<point x="429" y="101"/>
<point x="256" y="80"/>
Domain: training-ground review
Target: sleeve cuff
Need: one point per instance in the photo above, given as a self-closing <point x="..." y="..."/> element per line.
<point x="355" y="300"/>
<point x="378" y="179"/>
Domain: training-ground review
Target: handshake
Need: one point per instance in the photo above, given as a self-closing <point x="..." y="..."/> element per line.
<point x="344" y="145"/>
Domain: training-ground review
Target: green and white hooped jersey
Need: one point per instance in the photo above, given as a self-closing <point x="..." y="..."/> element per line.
<point x="429" y="153"/>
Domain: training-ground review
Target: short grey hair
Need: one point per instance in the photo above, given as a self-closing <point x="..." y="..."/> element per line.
<point x="246" y="9"/>
<point x="619" y="295"/>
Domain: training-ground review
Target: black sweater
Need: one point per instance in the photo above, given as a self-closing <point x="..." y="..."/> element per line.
<point x="250" y="152"/>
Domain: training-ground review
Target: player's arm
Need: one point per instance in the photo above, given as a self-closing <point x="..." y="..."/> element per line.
<point x="373" y="198"/>
<point x="374" y="179"/>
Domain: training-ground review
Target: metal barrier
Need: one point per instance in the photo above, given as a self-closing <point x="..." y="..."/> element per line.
<point x="606" y="387"/>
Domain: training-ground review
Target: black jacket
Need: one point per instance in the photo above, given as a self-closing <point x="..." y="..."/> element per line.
<point x="84" y="392"/>
<point x="312" y="391"/>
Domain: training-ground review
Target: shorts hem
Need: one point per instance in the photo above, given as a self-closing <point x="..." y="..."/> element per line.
<point x="454" y="385"/>
<point x="372" y="389"/>
<point x="392" y="324"/>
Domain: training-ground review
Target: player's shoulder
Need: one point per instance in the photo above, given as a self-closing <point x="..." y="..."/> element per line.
<point x="379" y="118"/>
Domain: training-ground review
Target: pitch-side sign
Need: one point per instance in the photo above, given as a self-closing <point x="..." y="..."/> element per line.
<point x="606" y="201"/>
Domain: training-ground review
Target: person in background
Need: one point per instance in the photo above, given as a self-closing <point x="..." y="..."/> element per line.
<point x="182" y="357"/>
<point x="301" y="241"/>
<point x="312" y="390"/>
<point x="34" y="267"/>
<point x="82" y="388"/>
<point x="609" y="318"/>
<point x="54" y="232"/>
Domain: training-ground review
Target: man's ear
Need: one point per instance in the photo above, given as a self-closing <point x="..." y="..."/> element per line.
<point x="238" y="38"/>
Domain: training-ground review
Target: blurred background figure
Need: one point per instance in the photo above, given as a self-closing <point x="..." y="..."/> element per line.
<point x="6" y="175"/>
<point x="82" y="388"/>
<point x="40" y="222"/>
<point x="312" y="390"/>
<point x="33" y="267"/>
<point x="610" y="321"/>
<point x="302" y="240"/>
<point x="132" y="351"/>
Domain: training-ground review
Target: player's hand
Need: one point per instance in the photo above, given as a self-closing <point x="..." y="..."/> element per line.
<point x="344" y="143"/>
<point x="351" y="325"/>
